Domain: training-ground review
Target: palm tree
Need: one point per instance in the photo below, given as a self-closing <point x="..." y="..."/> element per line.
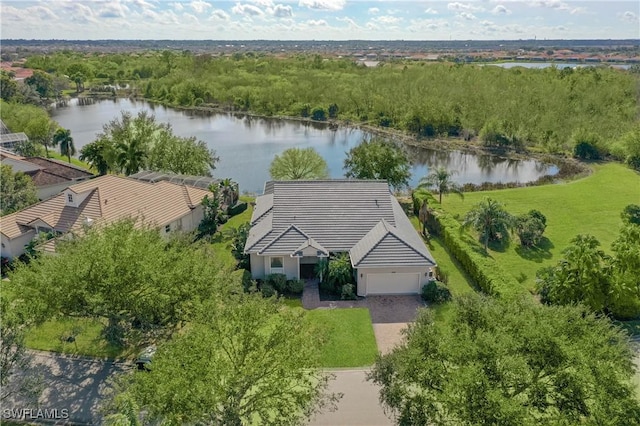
<point x="64" y="139"/>
<point x="98" y="155"/>
<point x="131" y="156"/>
<point x="229" y="192"/>
<point x="490" y="220"/>
<point x="440" y="180"/>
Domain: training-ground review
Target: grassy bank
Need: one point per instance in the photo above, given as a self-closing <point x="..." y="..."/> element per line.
<point x="591" y="205"/>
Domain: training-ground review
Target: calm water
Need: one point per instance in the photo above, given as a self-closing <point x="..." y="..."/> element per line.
<point x="246" y="146"/>
<point x="558" y="65"/>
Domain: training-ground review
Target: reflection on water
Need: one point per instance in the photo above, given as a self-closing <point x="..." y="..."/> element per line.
<point x="246" y="144"/>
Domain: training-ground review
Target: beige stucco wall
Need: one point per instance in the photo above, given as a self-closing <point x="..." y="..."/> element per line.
<point x="362" y="276"/>
<point x="14" y="248"/>
<point x="261" y="266"/>
<point x="186" y="223"/>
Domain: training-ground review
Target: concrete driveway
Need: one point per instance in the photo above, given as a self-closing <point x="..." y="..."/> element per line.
<point x="389" y="316"/>
<point x="74" y="388"/>
<point x="359" y="404"/>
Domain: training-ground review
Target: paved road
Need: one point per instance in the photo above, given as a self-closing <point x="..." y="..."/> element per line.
<point x="358" y="406"/>
<point x="76" y="386"/>
<point x="73" y="389"/>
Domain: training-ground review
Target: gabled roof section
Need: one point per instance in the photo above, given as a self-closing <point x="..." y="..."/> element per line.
<point x="264" y="204"/>
<point x="108" y="198"/>
<point x="258" y="233"/>
<point x="313" y="245"/>
<point x="385" y="246"/>
<point x="282" y="243"/>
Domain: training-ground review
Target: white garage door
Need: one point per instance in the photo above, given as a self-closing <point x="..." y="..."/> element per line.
<point x="394" y="283"/>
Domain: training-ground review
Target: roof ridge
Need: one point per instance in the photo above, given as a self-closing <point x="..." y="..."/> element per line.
<point x="277" y="237"/>
<point x="185" y="192"/>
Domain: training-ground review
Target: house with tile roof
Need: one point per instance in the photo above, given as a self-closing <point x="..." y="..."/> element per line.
<point x="105" y="199"/>
<point x="48" y="175"/>
<point x="296" y="223"/>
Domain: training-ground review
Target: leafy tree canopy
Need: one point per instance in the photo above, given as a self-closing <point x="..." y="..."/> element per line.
<point x="441" y="181"/>
<point x="124" y="273"/>
<point x="129" y="144"/>
<point x="378" y="159"/>
<point x="512" y="362"/>
<point x="490" y="219"/>
<point x="297" y="164"/>
<point x="17" y="191"/>
<point x="243" y="360"/>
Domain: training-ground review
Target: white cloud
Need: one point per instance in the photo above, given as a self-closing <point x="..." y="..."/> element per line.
<point x="113" y="10"/>
<point x="200" y="6"/>
<point x="500" y="10"/>
<point x="466" y="15"/>
<point x="331" y="5"/>
<point x="387" y="20"/>
<point x="282" y="11"/>
<point x="373" y="10"/>
<point x="578" y="10"/>
<point x="219" y="15"/>
<point x="247" y="10"/>
<point x="629" y="16"/>
<point x="43" y="12"/>
<point x="431" y="11"/>
<point x="350" y="23"/>
<point x="463" y="7"/>
<point x="177" y="6"/>
<point x="552" y="4"/>
<point x="317" y="23"/>
<point x="144" y="5"/>
<point x="191" y="19"/>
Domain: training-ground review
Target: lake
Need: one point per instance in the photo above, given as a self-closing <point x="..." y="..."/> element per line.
<point x="246" y="145"/>
<point x="559" y="65"/>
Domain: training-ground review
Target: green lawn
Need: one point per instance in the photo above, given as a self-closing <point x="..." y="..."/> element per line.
<point x="221" y="240"/>
<point x="74" y="161"/>
<point x="591" y="205"/>
<point x="348" y="334"/>
<point x="89" y="342"/>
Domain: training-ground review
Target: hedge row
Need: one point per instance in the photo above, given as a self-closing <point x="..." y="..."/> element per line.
<point x="485" y="271"/>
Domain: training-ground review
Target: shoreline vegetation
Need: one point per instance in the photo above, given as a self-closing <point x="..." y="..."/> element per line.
<point x="568" y="168"/>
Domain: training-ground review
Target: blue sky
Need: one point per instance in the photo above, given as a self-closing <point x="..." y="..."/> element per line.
<point x="319" y="19"/>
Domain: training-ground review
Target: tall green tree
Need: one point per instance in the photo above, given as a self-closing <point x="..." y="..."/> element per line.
<point x="298" y="164"/>
<point x="100" y="155"/>
<point x="186" y="156"/>
<point x="17" y="191"/>
<point x="63" y="138"/>
<point x="580" y="276"/>
<point x="131" y="156"/>
<point x="33" y="121"/>
<point x="490" y="219"/>
<point x="41" y="83"/>
<point x="377" y="159"/>
<point x="441" y="181"/>
<point x="127" y="275"/>
<point x="511" y="362"/>
<point x="243" y="360"/>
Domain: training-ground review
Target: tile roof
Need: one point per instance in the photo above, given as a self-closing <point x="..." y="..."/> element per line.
<point x="108" y="198"/>
<point x="386" y="245"/>
<point x="336" y="214"/>
<point x="62" y="169"/>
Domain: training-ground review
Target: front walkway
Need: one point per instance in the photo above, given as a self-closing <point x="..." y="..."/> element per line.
<point x="389" y="314"/>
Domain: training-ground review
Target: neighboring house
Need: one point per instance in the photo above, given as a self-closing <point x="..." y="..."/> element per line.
<point x="48" y="175"/>
<point x="105" y="199"/>
<point x="296" y="223"/>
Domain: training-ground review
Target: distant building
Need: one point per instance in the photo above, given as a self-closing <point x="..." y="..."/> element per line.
<point x="49" y="176"/>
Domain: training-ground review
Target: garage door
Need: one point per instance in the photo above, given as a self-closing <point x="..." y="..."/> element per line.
<point x="394" y="283"/>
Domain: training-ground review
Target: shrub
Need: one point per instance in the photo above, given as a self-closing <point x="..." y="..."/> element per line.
<point x="348" y="292"/>
<point x="318" y="114"/>
<point x="485" y="271"/>
<point x="277" y="281"/>
<point x="295" y="286"/>
<point x="267" y="290"/>
<point x="245" y="280"/>
<point x="435" y="292"/>
<point x="237" y="209"/>
<point x="586" y="151"/>
<point x="627" y="308"/>
<point x="530" y="227"/>
<point x="333" y="111"/>
<point x="327" y="286"/>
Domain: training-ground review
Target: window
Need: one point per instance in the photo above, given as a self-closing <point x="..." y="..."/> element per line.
<point x="167" y="228"/>
<point x="277" y="265"/>
<point x="70" y="198"/>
